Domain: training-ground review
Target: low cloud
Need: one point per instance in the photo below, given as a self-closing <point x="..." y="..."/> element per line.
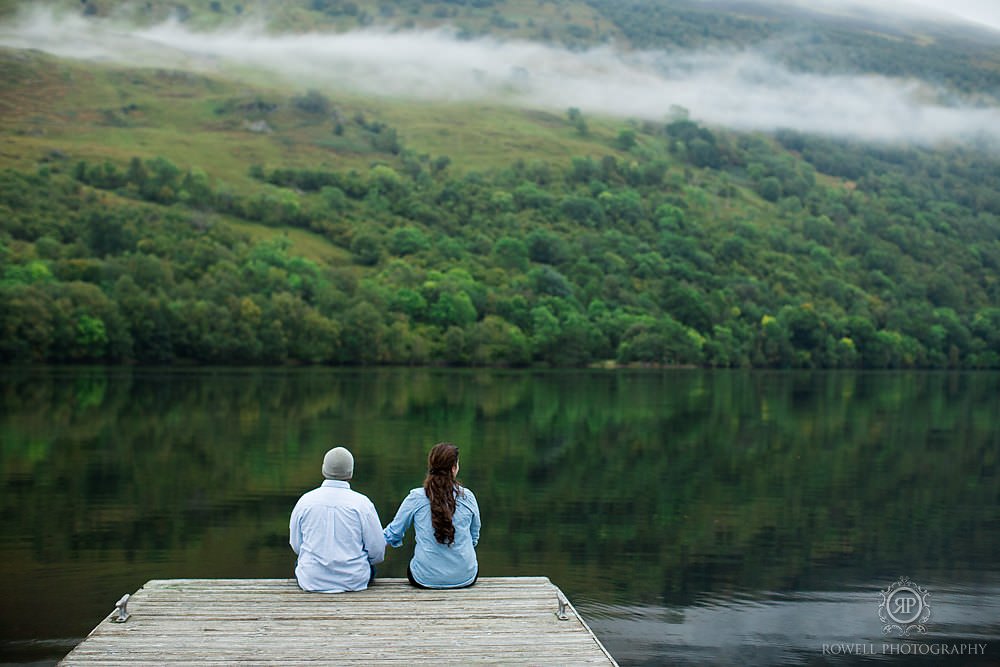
<point x="983" y="13"/>
<point x="742" y="90"/>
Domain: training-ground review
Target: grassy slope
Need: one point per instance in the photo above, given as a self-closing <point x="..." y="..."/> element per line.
<point x="97" y="112"/>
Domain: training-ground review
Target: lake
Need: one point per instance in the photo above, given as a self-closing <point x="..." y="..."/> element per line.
<point x="693" y="517"/>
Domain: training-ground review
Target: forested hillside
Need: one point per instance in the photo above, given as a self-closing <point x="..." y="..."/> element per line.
<point x="159" y="216"/>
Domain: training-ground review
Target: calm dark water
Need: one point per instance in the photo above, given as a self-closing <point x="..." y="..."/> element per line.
<point x="693" y="517"/>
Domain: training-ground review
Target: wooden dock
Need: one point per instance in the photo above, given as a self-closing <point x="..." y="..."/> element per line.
<point x="500" y="620"/>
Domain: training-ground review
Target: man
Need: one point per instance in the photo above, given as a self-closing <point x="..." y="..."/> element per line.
<point x="336" y="532"/>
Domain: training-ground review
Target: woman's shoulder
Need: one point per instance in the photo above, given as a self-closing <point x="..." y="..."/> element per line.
<point x="466" y="494"/>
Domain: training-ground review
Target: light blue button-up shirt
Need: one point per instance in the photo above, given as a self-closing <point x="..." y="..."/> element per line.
<point x="337" y="535"/>
<point x="437" y="565"/>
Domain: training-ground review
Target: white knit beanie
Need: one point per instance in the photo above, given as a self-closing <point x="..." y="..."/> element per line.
<point x="338" y="464"/>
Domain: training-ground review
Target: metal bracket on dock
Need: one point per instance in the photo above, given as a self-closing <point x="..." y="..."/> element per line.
<point x="561" y="611"/>
<point x="120" y="614"/>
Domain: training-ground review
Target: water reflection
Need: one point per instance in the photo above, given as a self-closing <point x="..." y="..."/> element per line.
<point x="646" y="496"/>
<point x="790" y="628"/>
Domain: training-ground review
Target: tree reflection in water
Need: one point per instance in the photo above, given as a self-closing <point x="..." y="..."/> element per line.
<point x="632" y="490"/>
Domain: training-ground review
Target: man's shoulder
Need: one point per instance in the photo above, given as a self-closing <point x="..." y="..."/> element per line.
<point x="334" y="495"/>
<point x="311" y="494"/>
<point x="359" y="497"/>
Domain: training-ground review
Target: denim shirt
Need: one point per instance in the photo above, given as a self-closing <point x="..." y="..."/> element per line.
<point x="437" y="565"/>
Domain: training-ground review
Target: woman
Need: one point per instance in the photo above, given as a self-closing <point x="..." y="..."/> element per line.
<point x="445" y="518"/>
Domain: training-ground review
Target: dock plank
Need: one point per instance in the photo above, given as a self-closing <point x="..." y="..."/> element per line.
<point x="500" y="620"/>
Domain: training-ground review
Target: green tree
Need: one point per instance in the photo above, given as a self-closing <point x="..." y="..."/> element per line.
<point x="494" y="341"/>
<point x="511" y="254"/>
<point x="582" y="210"/>
<point x="313" y="102"/>
<point x="410" y="302"/>
<point x="545" y="247"/>
<point x="774" y="346"/>
<point x="366" y="248"/>
<point x="453" y="309"/>
<point x="578" y="121"/>
<point x="406" y="345"/>
<point x="87" y="325"/>
<point x="363" y="335"/>
<point x="664" y="341"/>
<point x="548" y="281"/>
<point x="407" y="241"/>
<point x="26" y="323"/>
<point x="162" y="183"/>
<point x="626" y="140"/>
<point x="196" y="190"/>
<point x="770" y="189"/>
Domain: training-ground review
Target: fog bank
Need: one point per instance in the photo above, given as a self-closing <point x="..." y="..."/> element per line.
<point x="742" y="90"/>
<point x="983" y="13"/>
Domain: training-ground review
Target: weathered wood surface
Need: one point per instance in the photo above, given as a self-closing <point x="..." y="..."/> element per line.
<point x="500" y="620"/>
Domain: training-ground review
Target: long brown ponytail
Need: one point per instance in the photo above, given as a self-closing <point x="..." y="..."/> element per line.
<point x="441" y="486"/>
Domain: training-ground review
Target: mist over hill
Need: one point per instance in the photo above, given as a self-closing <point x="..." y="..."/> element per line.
<point x="748" y="87"/>
<point x="921" y="14"/>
